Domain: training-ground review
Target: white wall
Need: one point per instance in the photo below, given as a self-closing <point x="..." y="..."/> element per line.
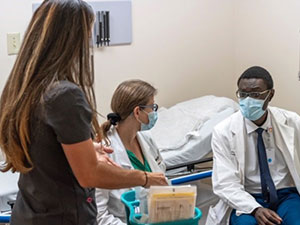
<point x="14" y="17"/>
<point x="179" y="46"/>
<point x="267" y="34"/>
<point x="190" y="48"/>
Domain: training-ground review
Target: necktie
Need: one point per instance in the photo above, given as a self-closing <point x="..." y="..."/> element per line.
<point x="267" y="185"/>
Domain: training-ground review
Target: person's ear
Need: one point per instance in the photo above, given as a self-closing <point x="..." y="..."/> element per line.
<point x="136" y="111"/>
<point x="271" y="94"/>
<point x="268" y="99"/>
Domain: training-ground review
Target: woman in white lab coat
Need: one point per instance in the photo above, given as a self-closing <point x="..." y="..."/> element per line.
<point x="134" y="110"/>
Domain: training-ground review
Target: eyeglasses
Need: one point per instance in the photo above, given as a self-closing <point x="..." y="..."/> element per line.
<point x="241" y="94"/>
<point x="154" y="107"/>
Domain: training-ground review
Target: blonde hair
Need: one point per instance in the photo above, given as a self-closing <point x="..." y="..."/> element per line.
<point x="55" y="47"/>
<point x="127" y="96"/>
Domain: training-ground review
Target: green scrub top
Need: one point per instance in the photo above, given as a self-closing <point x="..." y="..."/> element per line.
<point x="137" y="163"/>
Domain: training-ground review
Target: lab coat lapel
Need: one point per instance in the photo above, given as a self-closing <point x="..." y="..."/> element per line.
<point x="284" y="135"/>
<point x="284" y="140"/>
<point x="120" y="151"/>
<point x="238" y="142"/>
<point x="146" y="149"/>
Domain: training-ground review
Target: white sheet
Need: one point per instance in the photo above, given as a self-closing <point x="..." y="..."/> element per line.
<point x="183" y="132"/>
<point x="199" y="142"/>
<point x="177" y="124"/>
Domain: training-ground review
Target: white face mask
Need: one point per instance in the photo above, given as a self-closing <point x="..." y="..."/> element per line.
<point x="152" y="117"/>
<point x="252" y="108"/>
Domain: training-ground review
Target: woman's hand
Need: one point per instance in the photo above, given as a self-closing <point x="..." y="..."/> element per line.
<point x="266" y="216"/>
<point x="158" y="179"/>
<point x="102" y="154"/>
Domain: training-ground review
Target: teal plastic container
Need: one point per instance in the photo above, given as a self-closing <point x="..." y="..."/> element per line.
<point x="128" y="198"/>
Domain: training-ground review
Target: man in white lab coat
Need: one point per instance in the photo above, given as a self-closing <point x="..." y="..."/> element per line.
<point x="256" y="159"/>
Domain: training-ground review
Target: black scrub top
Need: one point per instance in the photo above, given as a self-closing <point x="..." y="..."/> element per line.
<point x="50" y="193"/>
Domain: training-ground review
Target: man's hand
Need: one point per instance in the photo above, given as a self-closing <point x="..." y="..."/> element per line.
<point x="266" y="216"/>
<point x="102" y="154"/>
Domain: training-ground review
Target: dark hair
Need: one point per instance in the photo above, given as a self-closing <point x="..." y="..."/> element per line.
<point x="55" y="48"/>
<point x="258" y="73"/>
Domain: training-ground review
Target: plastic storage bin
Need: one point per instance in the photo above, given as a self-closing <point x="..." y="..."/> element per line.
<point x="128" y="198"/>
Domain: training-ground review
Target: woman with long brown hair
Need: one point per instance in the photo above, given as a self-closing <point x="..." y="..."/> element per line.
<point x="48" y="118"/>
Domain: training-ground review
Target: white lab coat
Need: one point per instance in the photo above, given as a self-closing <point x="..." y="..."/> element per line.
<point x="228" y="144"/>
<point x="110" y="208"/>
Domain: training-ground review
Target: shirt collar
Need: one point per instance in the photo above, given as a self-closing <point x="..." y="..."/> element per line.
<point x="251" y="127"/>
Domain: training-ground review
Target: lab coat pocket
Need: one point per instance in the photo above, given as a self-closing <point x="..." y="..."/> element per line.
<point x="270" y="155"/>
<point x="211" y="217"/>
<point x="217" y="215"/>
<point x="233" y="158"/>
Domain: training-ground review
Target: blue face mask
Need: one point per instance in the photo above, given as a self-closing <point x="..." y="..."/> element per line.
<point x="252" y="108"/>
<point x="152" y="117"/>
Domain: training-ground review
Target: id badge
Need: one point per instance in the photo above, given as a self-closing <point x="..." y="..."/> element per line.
<point x="270" y="155"/>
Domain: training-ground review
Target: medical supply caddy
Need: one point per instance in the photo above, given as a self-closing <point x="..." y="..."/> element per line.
<point x="131" y="203"/>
